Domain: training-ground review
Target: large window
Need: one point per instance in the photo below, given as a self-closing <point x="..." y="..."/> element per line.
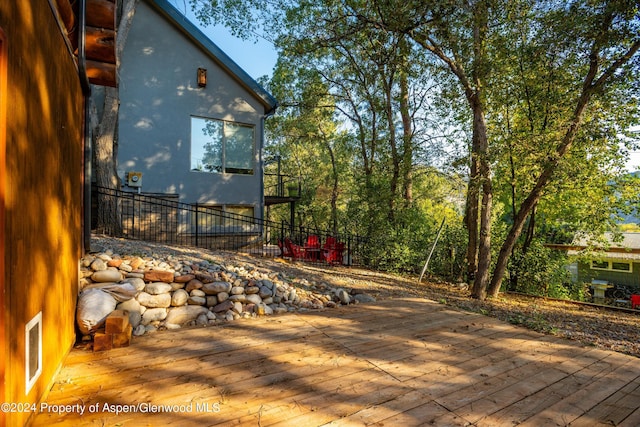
<point x="622" y="266"/>
<point x="221" y="147"/>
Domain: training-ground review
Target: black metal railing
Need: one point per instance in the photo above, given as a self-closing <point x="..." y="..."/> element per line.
<point x="278" y="185"/>
<point x="163" y="219"/>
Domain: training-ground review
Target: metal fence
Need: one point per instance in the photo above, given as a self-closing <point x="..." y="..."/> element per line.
<point x="163" y="219"/>
<point x="279" y="185"/>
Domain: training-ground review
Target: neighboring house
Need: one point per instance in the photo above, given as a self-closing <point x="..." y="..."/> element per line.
<point x="618" y="263"/>
<point x="191" y="121"/>
<point x="41" y="193"/>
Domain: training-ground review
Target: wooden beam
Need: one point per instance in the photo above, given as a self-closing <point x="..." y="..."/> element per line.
<point x="101" y="14"/>
<point x="67" y="15"/>
<point x="100" y="45"/>
<point x="101" y="73"/>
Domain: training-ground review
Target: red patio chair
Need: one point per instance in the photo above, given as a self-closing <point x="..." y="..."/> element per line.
<point x="284" y="250"/>
<point x="312" y="250"/>
<point x="635" y="301"/>
<point x="313" y="241"/>
<point x="295" y="250"/>
<point x="332" y="251"/>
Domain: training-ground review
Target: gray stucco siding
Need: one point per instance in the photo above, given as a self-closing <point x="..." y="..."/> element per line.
<point x="159" y="95"/>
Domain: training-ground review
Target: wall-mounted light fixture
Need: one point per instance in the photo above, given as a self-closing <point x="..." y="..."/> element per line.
<point x="202" y="77"/>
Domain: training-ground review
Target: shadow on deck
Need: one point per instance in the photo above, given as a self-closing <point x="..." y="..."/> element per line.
<point x="397" y="362"/>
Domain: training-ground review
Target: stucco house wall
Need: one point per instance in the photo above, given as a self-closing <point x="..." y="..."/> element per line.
<point x="159" y="96"/>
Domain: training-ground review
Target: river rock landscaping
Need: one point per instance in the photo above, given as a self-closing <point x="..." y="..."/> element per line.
<point x="168" y="289"/>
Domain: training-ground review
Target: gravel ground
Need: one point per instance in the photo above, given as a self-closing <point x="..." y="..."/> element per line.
<point x="603" y="328"/>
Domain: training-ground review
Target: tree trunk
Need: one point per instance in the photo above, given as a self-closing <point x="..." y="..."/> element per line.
<point x="471" y="218"/>
<point x="407" y="140"/>
<point x="334" y="191"/>
<point x="104" y="135"/>
<point x="483" y="180"/>
<point x="395" y="158"/>
<point x="531" y="231"/>
<point x="105" y="164"/>
<point x="511" y="239"/>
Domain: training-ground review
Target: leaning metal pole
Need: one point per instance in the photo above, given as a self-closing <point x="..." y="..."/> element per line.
<point x="426" y="264"/>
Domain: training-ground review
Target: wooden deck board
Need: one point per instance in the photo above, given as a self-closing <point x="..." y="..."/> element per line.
<point x="581" y="374"/>
<point x="616" y="407"/>
<point x="406" y="362"/>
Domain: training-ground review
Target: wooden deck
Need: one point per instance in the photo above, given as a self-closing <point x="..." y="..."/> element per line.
<point x="394" y="363"/>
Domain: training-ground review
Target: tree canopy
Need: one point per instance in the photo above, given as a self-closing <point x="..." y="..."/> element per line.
<point x="510" y="118"/>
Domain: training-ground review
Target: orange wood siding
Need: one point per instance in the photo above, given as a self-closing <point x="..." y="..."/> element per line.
<point x="43" y="194"/>
<point x="3" y="126"/>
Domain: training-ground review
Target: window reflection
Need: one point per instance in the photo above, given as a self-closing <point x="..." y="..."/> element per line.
<point x="221" y="147"/>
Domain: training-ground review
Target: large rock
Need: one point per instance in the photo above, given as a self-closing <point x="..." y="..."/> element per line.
<point x="157" y="288"/>
<point x="205" y="277"/>
<point x="202" y="320"/>
<point x="223" y="306"/>
<point x="153" y="315"/>
<point x="137" y="282"/>
<point x="134" y="309"/>
<point x="196" y="300"/>
<point x="98" y="265"/>
<point x="185" y="314"/>
<point x="265" y="292"/>
<point x="216" y="287"/>
<point x="193" y="284"/>
<point x="154" y="301"/>
<point x="103" y="276"/>
<point x="140" y="330"/>
<point x="158" y="276"/>
<point x="237" y="307"/>
<point x="115" y="263"/>
<point x="364" y="298"/>
<point x="238" y="298"/>
<point x="176" y="285"/>
<point x="130" y="305"/>
<point x="343" y="296"/>
<point x="184" y="278"/>
<point x="179" y="298"/>
<point x="267" y="284"/>
<point x="237" y="290"/>
<point x="249" y="290"/>
<point x="212" y="300"/>
<point x="253" y="299"/>
<point x="136" y="262"/>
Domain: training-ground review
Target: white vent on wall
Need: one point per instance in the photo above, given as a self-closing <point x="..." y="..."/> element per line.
<point x="33" y="351"/>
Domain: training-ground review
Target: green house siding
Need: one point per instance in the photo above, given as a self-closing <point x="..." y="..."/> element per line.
<point x="587" y="274"/>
